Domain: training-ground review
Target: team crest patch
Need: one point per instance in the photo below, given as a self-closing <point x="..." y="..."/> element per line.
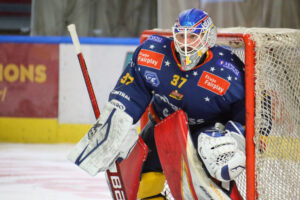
<point x="152" y="78"/>
<point x="150" y="59"/>
<point x="176" y="95"/>
<point x="213" y="83"/>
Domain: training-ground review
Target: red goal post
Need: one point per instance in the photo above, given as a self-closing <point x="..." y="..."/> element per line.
<point x="262" y="50"/>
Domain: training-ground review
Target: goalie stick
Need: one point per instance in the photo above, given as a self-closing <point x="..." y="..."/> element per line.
<point x="116" y="187"/>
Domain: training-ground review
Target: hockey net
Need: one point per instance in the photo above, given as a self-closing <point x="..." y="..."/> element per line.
<point x="272" y="69"/>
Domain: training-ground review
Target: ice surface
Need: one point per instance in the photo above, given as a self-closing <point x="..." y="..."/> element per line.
<point x="42" y="172"/>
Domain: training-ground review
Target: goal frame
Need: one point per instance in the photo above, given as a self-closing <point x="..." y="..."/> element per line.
<point x="249" y="48"/>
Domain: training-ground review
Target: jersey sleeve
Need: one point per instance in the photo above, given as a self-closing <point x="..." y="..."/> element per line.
<point x="236" y="93"/>
<point x="238" y="111"/>
<point x="131" y="92"/>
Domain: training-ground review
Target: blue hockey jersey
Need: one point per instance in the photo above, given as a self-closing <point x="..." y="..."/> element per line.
<point x="211" y="92"/>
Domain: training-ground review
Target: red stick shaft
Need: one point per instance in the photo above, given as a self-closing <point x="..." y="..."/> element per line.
<point x="89" y="85"/>
<point x="118" y="190"/>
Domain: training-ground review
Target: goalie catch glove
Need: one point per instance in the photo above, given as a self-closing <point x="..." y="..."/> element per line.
<point x="223" y="151"/>
<point x="110" y="138"/>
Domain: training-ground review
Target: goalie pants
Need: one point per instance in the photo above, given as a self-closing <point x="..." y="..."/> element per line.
<point x="152" y="164"/>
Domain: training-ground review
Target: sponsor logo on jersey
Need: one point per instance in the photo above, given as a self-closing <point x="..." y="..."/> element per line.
<point x="166" y="100"/>
<point x="122" y="94"/>
<point x="228" y="65"/>
<point x="118" y="104"/>
<point x="152" y="78"/>
<point x="155" y="38"/>
<point x="213" y="83"/>
<point x="176" y="95"/>
<point x="165" y="112"/>
<point x="193" y="121"/>
<point x="150" y="59"/>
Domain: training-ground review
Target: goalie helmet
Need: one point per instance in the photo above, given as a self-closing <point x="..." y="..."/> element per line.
<point x="194" y="33"/>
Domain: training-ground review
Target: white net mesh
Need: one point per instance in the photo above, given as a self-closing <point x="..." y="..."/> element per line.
<point x="277" y="111"/>
<point x="277" y="116"/>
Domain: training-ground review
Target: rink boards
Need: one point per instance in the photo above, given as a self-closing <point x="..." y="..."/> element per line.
<point x="42" y="92"/>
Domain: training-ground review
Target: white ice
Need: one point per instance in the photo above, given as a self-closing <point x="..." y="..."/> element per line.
<point x="42" y="172"/>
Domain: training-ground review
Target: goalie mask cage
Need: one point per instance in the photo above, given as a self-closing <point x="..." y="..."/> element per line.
<point x="272" y="81"/>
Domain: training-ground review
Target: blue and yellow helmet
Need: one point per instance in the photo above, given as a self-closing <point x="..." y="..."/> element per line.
<point x="194" y="33"/>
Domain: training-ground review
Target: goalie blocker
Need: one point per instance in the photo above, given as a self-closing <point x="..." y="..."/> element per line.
<point x="111" y="137"/>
